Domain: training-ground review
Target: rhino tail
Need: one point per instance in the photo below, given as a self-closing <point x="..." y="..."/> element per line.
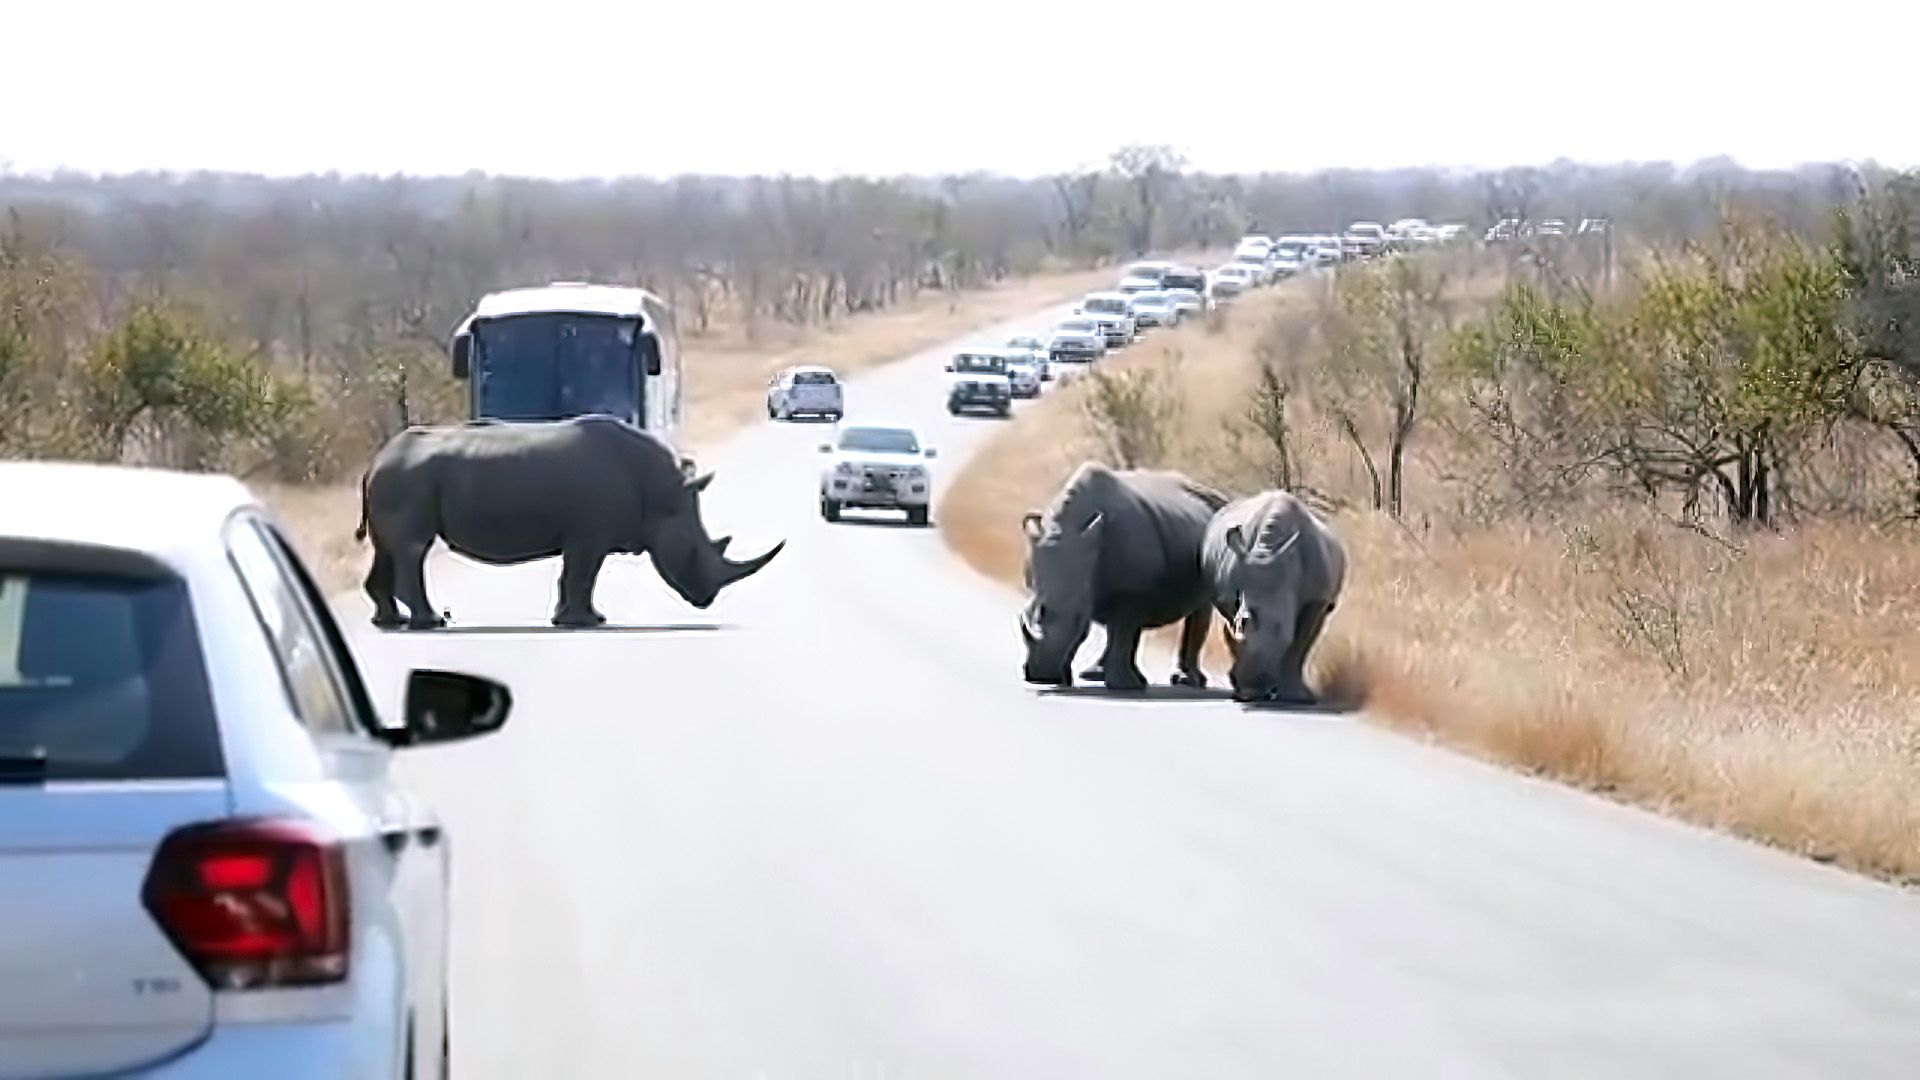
<point x="360" y="533"/>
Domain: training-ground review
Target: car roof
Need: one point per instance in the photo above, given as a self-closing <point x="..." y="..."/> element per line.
<point x="166" y="514"/>
<point x="813" y="368"/>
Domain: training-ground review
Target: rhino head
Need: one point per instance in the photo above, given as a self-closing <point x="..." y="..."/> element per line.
<point x="1060" y="576"/>
<point x="1261" y="631"/>
<point x="690" y="562"/>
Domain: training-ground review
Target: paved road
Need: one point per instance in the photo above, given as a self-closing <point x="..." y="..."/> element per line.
<point x="823" y="830"/>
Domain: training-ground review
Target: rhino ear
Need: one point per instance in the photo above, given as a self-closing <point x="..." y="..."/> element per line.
<point x="1031" y="525"/>
<point x="1237" y="542"/>
<point x="699" y="483"/>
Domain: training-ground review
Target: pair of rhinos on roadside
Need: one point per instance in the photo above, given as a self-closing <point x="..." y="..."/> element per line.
<point x="1129" y="550"/>
<point x="1132" y="550"/>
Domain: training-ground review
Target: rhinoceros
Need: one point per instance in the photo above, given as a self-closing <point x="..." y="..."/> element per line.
<point x="1276" y="572"/>
<point x="1120" y="548"/>
<point x="503" y="493"/>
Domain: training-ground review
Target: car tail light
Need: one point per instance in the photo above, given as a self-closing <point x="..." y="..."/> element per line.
<point x="253" y="903"/>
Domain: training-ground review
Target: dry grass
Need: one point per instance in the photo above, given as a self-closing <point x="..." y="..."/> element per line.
<point x="1771" y="690"/>
<point x="727" y="373"/>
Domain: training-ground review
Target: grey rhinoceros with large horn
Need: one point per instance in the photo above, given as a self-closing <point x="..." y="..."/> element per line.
<point x="1120" y="548"/>
<point x="503" y="493"/>
<point x="1276" y="570"/>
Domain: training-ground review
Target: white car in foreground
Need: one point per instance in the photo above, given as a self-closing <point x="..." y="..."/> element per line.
<point x="208" y="866"/>
<point x="876" y="468"/>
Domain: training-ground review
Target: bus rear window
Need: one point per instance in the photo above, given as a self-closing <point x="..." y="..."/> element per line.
<point x="101" y="678"/>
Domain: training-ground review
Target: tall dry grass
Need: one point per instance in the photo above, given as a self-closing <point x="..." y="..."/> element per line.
<point x="1769" y="686"/>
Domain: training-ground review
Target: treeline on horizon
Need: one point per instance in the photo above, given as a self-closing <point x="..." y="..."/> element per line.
<point x="289" y="324"/>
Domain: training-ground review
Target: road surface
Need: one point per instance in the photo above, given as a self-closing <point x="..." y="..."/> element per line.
<point x="823" y="830"/>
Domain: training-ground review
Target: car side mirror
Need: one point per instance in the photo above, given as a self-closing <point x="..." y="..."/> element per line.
<point x="462" y="355"/>
<point x="931" y="452"/>
<point x="826" y="448"/>
<point x="647" y="348"/>
<point x="447" y="706"/>
<point x="949" y="367"/>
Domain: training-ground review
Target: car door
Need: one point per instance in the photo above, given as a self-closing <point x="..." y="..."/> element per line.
<point x="331" y="701"/>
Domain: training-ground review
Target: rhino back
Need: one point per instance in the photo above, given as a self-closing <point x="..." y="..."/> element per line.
<point x="1315" y="563"/>
<point x="1152" y="526"/>
<point x="521" y="489"/>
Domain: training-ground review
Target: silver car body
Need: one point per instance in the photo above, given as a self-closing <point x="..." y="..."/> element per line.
<point x="875" y="467"/>
<point x="805" y="390"/>
<point x="90" y="983"/>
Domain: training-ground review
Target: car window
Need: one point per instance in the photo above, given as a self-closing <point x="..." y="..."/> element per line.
<point x="880" y="440"/>
<point x="102" y="678"/>
<point x="311" y="673"/>
<point x="813" y="378"/>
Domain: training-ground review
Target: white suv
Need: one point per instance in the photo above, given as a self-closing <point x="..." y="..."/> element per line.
<point x="876" y="468"/>
<point x="207" y="867"/>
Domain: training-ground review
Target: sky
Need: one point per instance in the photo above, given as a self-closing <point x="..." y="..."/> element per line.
<point x="567" y="88"/>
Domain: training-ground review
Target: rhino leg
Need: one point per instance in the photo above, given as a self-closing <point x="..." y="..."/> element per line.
<point x="379" y="585"/>
<point x="579" y="569"/>
<point x="1118" y="670"/>
<point x="1293" y="687"/>
<point x="1193" y="636"/>
<point x="410" y="585"/>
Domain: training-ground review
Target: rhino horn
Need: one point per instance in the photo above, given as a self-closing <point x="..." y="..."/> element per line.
<point x="699" y="483"/>
<point x="720" y="545"/>
<point x="737" y="570"/>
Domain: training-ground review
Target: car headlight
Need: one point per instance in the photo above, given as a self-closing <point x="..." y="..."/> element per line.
<point x="845" y="468"/>
<point x="917" y="472"/>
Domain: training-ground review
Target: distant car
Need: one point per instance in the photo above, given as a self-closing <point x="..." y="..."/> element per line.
<point x="1327" y="252"/>
<point x="1240" y="273"/>
<point x="876" y="468"/>
<point x="1595" y="226"/>
<point x="1023" y="377"/>
<point x="1035" y="350"/>
<point x="1259" y="271"/>
<point x="1117" y="328"/>
<point x="1227" y="287"/>
<point x="1075" y="345"/>
<point x="1150" y="269"/>
<point x="1552" y="227"/>
<point x="977" y="379"/>
<point x="1154" y="309"/>
<point x="209" y="865"/>
<point x="808" y="390"/>
<point x="1131" y="285"/>
<point x="1114" y="311"/>
<point x="1188" y="302"/>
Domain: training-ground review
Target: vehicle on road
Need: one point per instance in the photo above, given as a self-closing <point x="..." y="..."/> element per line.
<point x="876" y="468"/>
<point x="1118" y="330"/>
<point x="1034" y="349"/>
<point x="1023" y="374"/>
<point x="1188" y="302"/>
<point x="1185" y="277"/>
<point x="1327" y="252"/>
<point x="1076" y="344"/>
<point x="977" y="379"/>
<point x="1226" y="288"/>
<point x="808" y="390"/>
<point x="1553" y="227"/>
<point x="209" y="866"/>
<point x="1259" y="271"/>
<point x="567" y="349"/>
<point x="1114" y="312"/>
<point x="1153" y="308"/>
<point x="1240" y="274"/>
